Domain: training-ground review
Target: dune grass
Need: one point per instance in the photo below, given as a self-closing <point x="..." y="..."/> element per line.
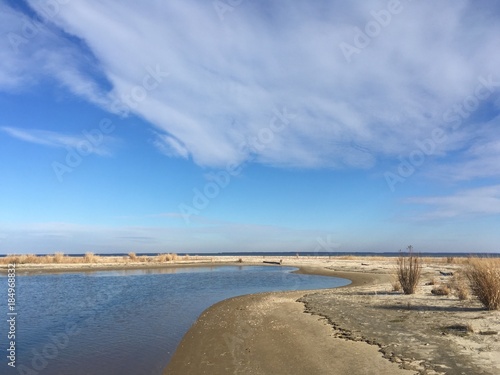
<point x="408" y="271"/>
<point x="441" y="290"/>
<point x="460" y="286"/>
<point x="89" y="257"/>
<point x="484" y="279"/>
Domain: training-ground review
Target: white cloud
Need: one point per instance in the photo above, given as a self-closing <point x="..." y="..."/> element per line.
<point x="170" y="146"/>
<point x="227" y="77"/>
<point x="33" y="49"/>
<point x="471" y="202"/>
<point x="479" y="158"/>
<point x="55" y="139"/>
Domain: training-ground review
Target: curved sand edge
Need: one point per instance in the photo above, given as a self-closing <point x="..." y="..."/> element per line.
<point x="414" y="331"/>
<point x="269" y="333"/>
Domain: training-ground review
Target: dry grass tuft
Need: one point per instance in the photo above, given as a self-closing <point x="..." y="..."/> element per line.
<point x="408" y="271"/>
<point x="434" y="281"/>
<point x="44" y="259"/>
<point x="58" y="258"/>
<point x="32" y="258"/>
<point x="484" y="279"/>
<point x="21" y="259"/>
<point x="441" y="290"/>
<point x="460" y="287"/>
<point x="396" y="286"/>
<point x="132" y="257"/>
<point x="161" y="258"/>
<point x="10" y="259"/>
<point x="89" y="258"/>
<point x="168" y="257"/>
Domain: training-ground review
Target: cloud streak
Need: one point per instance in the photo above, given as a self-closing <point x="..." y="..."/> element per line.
<point x="59" y="140"/>
<point x="33" y="50"/>
<point x="482" y="201"/>
<point x="227" y="77"/>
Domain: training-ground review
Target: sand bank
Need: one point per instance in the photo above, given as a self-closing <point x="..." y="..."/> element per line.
<point x="270" y="334"/>
<point x="364" y="328"/>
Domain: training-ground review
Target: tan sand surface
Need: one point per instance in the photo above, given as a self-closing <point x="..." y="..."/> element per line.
<point x="270" y="334"/>
<point x="364" y="328"/>
<point x="369" y="327"/>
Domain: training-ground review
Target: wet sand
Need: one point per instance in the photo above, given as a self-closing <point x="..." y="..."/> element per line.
<point x="364" y="328"/>
<point x="270" y="334"/>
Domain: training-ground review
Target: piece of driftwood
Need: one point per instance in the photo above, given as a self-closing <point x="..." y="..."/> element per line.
<point x="270" y="262"/>
<point x="446" y="273"/>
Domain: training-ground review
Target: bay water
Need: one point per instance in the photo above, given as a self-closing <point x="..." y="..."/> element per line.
<point x="124" y="322"/>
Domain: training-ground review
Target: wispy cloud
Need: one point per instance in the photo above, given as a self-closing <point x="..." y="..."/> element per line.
<point x="170" y="146"/>
<point x="471" y="202"/>
<point x="227" y="77"/>
<point x="33" y="50"/>
<point x="478" y="160"/>
<point x="59" y="140"/>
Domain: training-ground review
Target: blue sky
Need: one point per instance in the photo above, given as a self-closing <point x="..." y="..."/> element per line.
<point x="202" y="126"/>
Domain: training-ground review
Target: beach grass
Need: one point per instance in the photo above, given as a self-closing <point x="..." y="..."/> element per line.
<point x="441" y="290"/>
<point x="87" y="258"/>
<point x="460" y="286"/>
<point x="408" y="271"/>
<point x="484" y="278"/>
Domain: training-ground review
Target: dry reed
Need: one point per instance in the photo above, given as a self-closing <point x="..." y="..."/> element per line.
<point x="484" y="279"/>
<point x="441" y="290"/>
<point x="408" y="271"/>
<point x="89" y="258"/>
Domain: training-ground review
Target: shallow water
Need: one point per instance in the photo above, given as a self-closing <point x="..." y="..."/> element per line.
<point x="125" y="322"/>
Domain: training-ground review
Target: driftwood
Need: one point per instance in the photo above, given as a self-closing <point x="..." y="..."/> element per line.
<point x="446" y="273"/>
<point x="270" y="262"/>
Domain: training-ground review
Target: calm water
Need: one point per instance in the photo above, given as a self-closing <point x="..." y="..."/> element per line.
<point x="124" y="322"/>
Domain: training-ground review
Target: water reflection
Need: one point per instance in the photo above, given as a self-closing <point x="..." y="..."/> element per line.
<point x="128" y="321"/>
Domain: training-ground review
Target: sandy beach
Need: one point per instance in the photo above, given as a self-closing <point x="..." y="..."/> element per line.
<point x="364" y="328"/>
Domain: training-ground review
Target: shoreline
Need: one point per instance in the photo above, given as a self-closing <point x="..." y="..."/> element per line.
<point x="40" y="269"/>
<point x="360" y="328"/>
<point x="269" y="333"/>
